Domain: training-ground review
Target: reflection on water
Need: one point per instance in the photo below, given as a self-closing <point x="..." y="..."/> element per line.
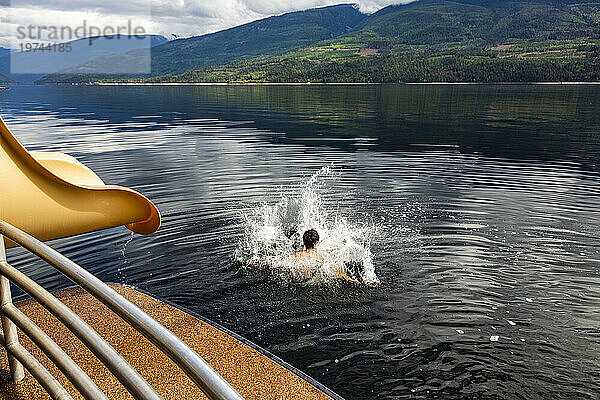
<point x="488" y="200"/>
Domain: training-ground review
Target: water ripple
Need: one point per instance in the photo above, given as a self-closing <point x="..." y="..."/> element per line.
<point x="485" y="212"/>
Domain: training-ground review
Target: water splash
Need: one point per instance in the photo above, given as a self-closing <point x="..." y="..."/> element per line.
<point x="273" y="232"/>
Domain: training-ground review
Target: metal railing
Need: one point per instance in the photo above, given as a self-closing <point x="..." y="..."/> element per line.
<point x="199" y="371"/>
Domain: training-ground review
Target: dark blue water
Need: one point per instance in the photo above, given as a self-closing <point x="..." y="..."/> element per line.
<point x="486" y="201"/>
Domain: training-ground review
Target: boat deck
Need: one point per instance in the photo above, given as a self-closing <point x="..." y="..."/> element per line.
<point x="251" y="373"/>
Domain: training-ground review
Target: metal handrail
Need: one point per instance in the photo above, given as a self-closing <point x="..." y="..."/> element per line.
<point x="67" y="366"/>
<point x="36" y="369"/>
<point x="129" y="377"/>
<point x="203" y="375"/>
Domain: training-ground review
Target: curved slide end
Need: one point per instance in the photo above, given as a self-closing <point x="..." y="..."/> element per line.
<point x="52" y="195"/>
<point x="149" y="225"/>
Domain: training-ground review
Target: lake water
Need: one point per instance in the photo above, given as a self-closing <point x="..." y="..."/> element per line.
<point x="481" y="206"/>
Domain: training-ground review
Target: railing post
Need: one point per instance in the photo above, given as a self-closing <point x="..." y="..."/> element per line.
<point x="8" y="327"/>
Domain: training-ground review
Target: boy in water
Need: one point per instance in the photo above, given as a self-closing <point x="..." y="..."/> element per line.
<point x="310" y="239"/>
<point x="309" y="257"/>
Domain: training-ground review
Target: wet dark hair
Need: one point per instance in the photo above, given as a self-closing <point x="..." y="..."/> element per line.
<point x="310" y="238"/>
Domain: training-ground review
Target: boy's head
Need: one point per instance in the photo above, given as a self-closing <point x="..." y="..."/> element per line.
<point x="310" y="238"/>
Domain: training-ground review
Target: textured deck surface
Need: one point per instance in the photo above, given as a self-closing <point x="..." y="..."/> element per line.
<point x="252" y="374"/>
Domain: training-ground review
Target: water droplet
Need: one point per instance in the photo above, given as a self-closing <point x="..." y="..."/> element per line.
<point x="126" y="243"/>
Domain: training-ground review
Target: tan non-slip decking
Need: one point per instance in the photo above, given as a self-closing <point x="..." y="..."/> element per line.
<point x="252" y="374"/>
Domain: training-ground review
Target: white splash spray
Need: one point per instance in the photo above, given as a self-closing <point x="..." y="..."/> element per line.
<point x="273" y="232"/>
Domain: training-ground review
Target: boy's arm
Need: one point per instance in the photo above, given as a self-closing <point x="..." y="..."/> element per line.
<point x="344" y="276"/>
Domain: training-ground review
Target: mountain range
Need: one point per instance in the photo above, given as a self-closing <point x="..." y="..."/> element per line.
<point x="427" y="40"/>
<point x="27" y="67"/>
<point x="270" y="36"/>
<point x="5" y="80"/>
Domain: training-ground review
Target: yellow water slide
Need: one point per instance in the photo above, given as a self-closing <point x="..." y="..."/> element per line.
<point x="52" y="195"/>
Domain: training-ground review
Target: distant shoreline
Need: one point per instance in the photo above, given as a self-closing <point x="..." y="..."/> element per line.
<point x="317" y="83"/>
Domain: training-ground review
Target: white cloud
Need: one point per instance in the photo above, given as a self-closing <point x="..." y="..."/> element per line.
<point x="166" y="17"/>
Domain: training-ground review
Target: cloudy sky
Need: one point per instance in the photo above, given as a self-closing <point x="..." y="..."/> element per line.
<point x="166" y="17"/>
